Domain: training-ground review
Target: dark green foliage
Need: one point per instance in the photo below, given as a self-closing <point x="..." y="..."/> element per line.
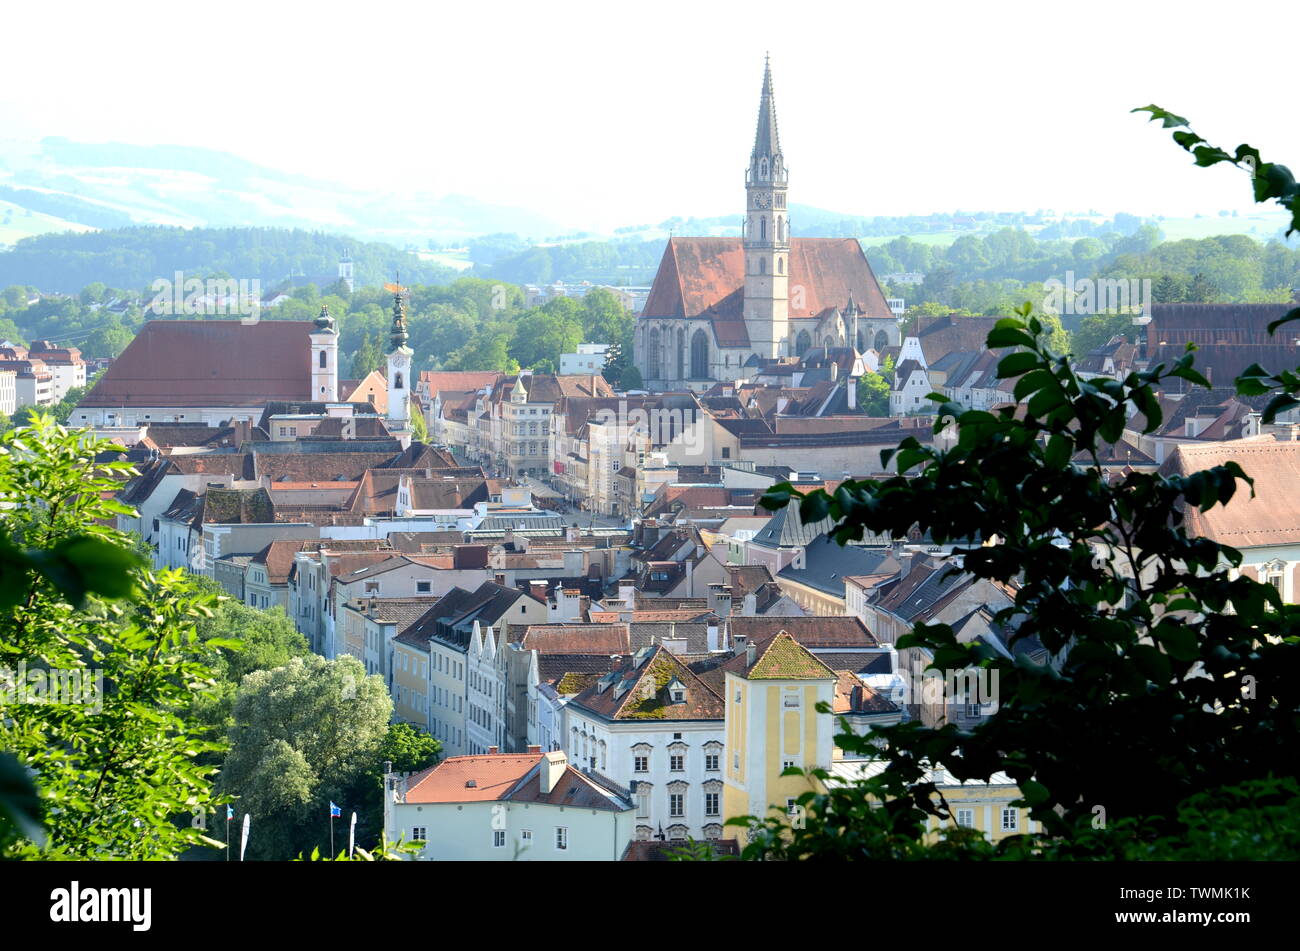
<point x="118" y="769"/>
<point x="1160" y="692"/>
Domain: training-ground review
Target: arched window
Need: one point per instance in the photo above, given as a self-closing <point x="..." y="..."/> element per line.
<point x="652" y="364"/>
<point x="762" y="168"/>
<point x="762" y="229"/>
<point x="397" y="382"/>
<point x="681" y="353"/>
<point x="802" y="343"/>
<point x="881" y="341"/>
<point x="780" y="265"/>
<point x="762" y="265"/>
<point x="699" y="356"/>
<point x="322" y="359"/>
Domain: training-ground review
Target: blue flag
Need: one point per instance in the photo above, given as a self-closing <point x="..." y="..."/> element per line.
<point x="335" y="811"/>
<point x="230" y="813"/>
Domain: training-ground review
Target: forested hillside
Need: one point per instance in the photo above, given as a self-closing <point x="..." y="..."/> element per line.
<point x="135" y="257"/>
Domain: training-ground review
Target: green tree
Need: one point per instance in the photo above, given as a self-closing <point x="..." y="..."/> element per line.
<point x="1108" y="580"/>
<point x="1096" y="330"/>
<point x="118" y="769"/>
<point x="302" y="735"/>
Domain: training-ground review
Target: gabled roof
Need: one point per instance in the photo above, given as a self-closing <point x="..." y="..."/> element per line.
<point x="816" y="633"/>
<point x="638" y="690"/>
<point x="706" y="277"/>
<point x="827" y="563"/>
<point x="208" y="363"/>
<point x="1272" y="517"/>
<point x="601" y="639"/>
<point x="513" y="777"/>
<point x="784" y="658"/>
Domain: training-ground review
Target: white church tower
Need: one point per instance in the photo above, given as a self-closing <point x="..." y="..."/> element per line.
<point x="324" y="359"/>
<point x="767" y="236"/>
<point x="399" y="374"/>
<point x="345" y="271"/>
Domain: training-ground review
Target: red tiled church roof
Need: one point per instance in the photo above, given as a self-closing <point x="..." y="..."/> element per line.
<point x="209" y="363"/>
<point x="700" y="276"/>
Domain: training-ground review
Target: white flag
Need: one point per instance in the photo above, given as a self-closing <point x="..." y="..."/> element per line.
<point x="352" y="834"/>
<point x="243" y="839"/>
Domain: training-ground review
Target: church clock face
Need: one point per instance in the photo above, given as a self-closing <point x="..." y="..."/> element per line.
<point x="762" y="201"/>
<point x="399" y="361"/>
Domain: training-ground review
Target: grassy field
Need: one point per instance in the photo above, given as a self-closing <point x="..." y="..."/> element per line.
<point x="17" y="222"/>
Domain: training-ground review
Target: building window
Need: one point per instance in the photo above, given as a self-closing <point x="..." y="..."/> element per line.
<point x="711" y="761"/>
<point x="791" y="700"/>
<point x="710" y="804"/>
<point x="641" y="764"/>
<point x="526" y="835"/>
<point x="499" y="838"/>
<point x="973" y="711"/>
<point x="787" y="763"/>
<point x="677" y="763"/>
<point x="561" y="838"/>
<point x="419" y="834"/>
<point x="676" y="805"/>
<point x="423" y="587"/>
<point x="1010" y="820"/>
<point x="966" y="818"/>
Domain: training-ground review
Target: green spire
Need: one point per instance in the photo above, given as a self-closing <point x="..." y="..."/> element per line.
<point x="398" y="334"/>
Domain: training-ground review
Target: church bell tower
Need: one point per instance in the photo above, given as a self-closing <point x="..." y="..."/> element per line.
<point x="399" y="372"/>
<point x="767" y="235"/>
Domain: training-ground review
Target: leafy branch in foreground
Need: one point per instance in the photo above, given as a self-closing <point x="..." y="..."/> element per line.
<point x="1170" y="674"/>
<point x="97" y="659"/>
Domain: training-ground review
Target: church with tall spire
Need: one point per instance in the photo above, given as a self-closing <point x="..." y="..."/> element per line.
<point x="721" y="309"/>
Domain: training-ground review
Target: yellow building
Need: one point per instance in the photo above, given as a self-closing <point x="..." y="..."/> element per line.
<point x="986" y="806"/>
<point x="771" y="723"/>
<point x="772" y="688"/>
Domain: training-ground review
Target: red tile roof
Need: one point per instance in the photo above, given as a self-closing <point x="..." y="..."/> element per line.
<point x="209" y="363"/>
<point x="706" y="276"/>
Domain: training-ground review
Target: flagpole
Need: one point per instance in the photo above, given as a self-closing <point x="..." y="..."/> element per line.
<point x="331" y="833"/>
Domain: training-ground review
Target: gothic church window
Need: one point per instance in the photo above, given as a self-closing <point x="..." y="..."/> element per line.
<point x="654" y="354"/>
<point x="699" y="356"/>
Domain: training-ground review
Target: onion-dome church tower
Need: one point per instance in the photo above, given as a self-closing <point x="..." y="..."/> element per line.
<point x="399" y="372"/>
<point x="325" y="359"/>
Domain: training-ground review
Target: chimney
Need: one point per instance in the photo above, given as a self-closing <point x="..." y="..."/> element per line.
<point x="552" y="768"/>
<point x="573" y="563"/>
<point x="534" y="749"/>
<point x="738" y="642"/>
<point x="751" y="653"/>
<point x="492" y="751"/>
<point x="750" y="605"/>
<point x="500" y="579"/>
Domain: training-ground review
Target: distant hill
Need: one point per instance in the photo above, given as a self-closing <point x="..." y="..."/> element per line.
<point x="113" y="184"/>
<point x="135" y="257"/>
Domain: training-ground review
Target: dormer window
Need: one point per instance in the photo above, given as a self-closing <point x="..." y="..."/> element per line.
<point x="676" y="691"/>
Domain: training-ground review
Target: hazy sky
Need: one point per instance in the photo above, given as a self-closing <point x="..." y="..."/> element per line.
<point x="604" y="114"/>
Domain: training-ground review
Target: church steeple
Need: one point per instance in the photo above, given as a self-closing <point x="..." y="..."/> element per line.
<point x="767" y="234"/>
<point x="767" y="141"/>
